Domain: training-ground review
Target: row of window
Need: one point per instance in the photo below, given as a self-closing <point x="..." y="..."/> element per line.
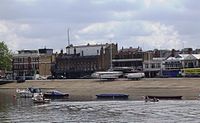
<point x="80" y="68"/>
<point x="25" y="73"/>
<point x="26" y="66"/>
<point x="152" y="65"/>
<point x="25" y="60"/>
<point x="76" y="64"/>
<point x="173" y="66"/>
<point x="128" y="64"/>
<point x="130" y="56"/>
<point x="179" y="65"/>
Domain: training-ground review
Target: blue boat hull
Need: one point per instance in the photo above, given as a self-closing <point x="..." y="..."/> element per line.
<point x="56" y="96"/>
<point x="112" y="96"/>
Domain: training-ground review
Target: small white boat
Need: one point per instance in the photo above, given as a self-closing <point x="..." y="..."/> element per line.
<point x="23" y="93"/>
<point x="147" y="99"/>
<point x="135" y="76"/>
<point x="27" y="93"/>
<point x="39" y="98"/>
<point x="108" y="75"/>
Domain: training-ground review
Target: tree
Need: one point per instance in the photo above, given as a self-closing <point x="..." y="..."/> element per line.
<point x="5" y="57"/>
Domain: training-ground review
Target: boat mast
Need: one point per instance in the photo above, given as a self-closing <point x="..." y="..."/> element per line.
<point x="68" y="38"/>
<point x="68" y="63"/>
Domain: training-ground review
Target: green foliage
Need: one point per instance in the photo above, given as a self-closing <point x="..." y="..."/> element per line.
<point x="5" y="57"/>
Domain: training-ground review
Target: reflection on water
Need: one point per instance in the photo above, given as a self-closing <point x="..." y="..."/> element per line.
<point x="23" y="110"/>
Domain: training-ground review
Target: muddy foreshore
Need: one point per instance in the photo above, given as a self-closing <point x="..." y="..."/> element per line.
<point x="86" y="89"/>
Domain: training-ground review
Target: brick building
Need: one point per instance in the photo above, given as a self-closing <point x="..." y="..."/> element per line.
<point x="81" y="61"/>
<point x="129" y="57"/>
<point x="28" y="63"/>
<point x="46" y="60"/>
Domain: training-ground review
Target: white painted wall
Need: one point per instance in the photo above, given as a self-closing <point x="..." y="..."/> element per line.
<point x="87" y="50"/>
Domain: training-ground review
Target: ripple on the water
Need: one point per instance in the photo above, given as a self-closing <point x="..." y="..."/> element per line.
<point x="103" y="111"/>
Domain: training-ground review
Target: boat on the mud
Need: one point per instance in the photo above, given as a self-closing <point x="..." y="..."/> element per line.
<point x="135" y="76"/>
<point x="166" y="97"/>
<point x="35" y="90"/>
<point x="39" y="98"/>
<point x="107" y="75"/>
<point x="112" y="96"/>
<point x="55" y="94"/>
<point x="23" y="93"/>
<point x="147" y="99"/>
<point x="27" y="93"/>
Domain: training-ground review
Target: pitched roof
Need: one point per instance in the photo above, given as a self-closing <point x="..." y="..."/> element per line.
<point x="196" y="55"/>
<point x="182" y="56"/>
<point x="173" y="59"/>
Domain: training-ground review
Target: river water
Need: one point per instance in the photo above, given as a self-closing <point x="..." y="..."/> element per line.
<point x="24" y="110"/>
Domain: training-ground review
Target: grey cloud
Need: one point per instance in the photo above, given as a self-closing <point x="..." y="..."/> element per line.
<point x="191" y="4"/>
<point x="49" y="19"/>
<point x="60" y="10"/>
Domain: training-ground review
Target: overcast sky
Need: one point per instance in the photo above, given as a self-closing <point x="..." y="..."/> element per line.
<point x="165" y="24"/>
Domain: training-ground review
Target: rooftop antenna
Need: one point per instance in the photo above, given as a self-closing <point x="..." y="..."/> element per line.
<point x="68" y="39"/>
<point x="111" y="67"/>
